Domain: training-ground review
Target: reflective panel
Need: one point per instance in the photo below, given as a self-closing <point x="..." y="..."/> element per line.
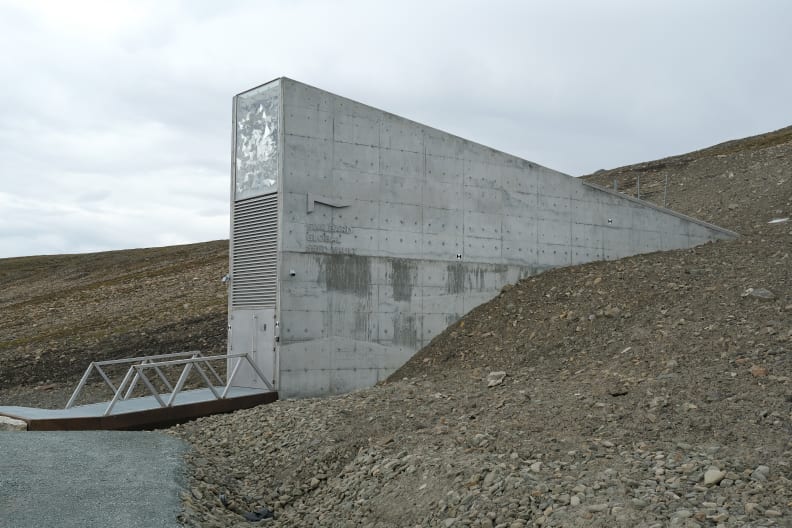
<point x="257" y="141"/>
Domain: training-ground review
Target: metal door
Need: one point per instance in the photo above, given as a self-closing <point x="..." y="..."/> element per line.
<point x="253" y="332"/>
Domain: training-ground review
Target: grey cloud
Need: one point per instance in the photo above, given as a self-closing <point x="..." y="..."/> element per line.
<point x="114" y="138"/>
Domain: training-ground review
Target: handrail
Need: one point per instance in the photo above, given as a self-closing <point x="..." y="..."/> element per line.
<point x="97" y="365"/>
<point x="189" y="360"/>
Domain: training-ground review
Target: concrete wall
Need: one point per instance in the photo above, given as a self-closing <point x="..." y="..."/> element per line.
<point x="421" y="227"/>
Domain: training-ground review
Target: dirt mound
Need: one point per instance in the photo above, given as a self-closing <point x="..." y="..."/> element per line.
<point x="706" y="330"/>
<point x="650" y="391"/>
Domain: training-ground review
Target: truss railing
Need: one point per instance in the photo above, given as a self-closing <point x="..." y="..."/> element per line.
<point x="187" y="360"/>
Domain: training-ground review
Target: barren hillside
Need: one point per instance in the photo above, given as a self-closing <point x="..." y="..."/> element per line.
<point x="60" y="312"/>
<point x="740" y="184"/>
<point x="651" y="391"/>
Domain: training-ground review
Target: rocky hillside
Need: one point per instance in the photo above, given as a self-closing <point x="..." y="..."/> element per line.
<point x="740" y="185"/>
<point x="651" y="391"/>
<point x="647" y="392"/>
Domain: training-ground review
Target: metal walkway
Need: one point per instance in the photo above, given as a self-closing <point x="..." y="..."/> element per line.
<point x="171" y="404"/>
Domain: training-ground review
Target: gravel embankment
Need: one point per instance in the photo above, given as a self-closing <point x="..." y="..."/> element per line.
<point x="647" y="392"/>
<point x="651" y="391"/>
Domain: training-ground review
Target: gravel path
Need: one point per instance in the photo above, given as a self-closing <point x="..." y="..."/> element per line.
<point x="90" y="479"/>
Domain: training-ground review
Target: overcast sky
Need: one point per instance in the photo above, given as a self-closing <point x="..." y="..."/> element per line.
<point x="115" y="116"/>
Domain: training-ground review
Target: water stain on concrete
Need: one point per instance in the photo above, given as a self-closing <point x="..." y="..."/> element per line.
<point x="477" y="276"/>
<point x="452" y="318"/>
<point x="405" y="330"/>
<point x="455" y="282"/>
<point x="361" y="326"/>
<point x="404" y="277"/>
<point x="346" y="273"/>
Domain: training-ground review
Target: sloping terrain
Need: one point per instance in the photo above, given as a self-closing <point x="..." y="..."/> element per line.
<point x="58" y="313"/>
<point x="651" y="391"/>
<point x="740" y="184"/>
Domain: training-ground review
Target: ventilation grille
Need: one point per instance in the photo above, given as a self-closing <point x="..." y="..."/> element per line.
<point x="255" y="247"/>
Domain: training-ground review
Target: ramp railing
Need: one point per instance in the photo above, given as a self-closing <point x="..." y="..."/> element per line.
<point x="189" y="361"/>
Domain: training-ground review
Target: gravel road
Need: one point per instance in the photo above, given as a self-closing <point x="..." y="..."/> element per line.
<point x="90" y="479"/>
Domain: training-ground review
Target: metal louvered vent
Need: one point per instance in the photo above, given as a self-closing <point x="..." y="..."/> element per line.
<point x="255" y="247"/>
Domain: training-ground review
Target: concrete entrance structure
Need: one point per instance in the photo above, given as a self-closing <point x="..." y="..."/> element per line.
<point x="357" y="235"/>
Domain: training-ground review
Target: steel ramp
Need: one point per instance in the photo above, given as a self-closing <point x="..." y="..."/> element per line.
<point x="156" y="409"/>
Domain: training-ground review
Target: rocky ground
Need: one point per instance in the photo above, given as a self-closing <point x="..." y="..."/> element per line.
<point x="651" y="391"/>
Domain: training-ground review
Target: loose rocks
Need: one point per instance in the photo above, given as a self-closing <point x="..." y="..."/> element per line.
<point x="495" y="378"/>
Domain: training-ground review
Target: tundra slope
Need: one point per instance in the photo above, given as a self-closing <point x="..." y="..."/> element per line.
<point x="60" y="312"/>
<point x="650" y="391"/>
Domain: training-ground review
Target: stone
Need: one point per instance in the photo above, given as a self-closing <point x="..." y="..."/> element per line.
<point x="488" y="479"/>
<point x="259" y="515"/>
<point x="495" y="378"/>
<point x="12" y="424"/>
<point x="713" y="476"/>
<point x="758" y="475"/>
<point x="574" y="500"/>
<point x="619" y="390"/>
<point x="759" y="293"/>
<point x="758" y="371"/>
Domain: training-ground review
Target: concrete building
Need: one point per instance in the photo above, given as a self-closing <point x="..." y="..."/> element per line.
<point x="357" y="235"/>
